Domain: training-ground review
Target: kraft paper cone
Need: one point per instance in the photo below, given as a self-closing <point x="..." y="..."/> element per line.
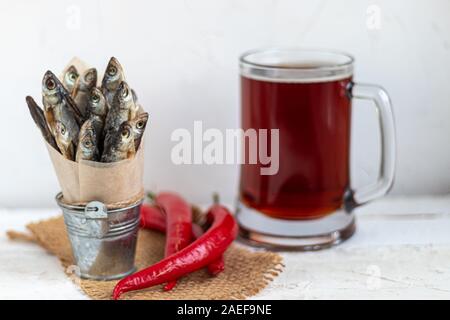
<point x="116" y="184"/>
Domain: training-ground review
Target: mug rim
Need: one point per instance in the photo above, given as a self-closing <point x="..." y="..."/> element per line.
<point x="296" y="65"/>
<point x="243" y="58"/>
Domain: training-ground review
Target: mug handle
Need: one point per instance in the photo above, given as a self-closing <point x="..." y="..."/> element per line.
<point x="387" y="129"/>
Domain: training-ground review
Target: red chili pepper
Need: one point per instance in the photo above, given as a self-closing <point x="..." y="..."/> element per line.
<point x="178" y="224"/>
<point x="206" y="249"/>
<point x="152" y="218"/>
<point x="215" y="267"/>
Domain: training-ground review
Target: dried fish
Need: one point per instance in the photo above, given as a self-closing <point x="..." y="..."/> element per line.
<point x="82" y="90"/>
<point x="97" y="105"/>
<point x="122" y="110"/>
<point x="121" y="146"/>
<point x="66" y="137"/>
<point x="57" y="102"/>
<point x="88" y="142"/>
<point x="84" y="122"/>
<point x="38" y="116"/>
<point x="111" y="80"/>
<point x="97" y="111"/>
<point x="70" y="78"/>
<point x="138" y="125"/>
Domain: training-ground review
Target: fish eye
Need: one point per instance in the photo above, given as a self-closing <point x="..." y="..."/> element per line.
<point x="112" y="70"/>
<point x="95" y="97"/>
<point x="125" y="133"/>
<point x="89" y="77"/>
<point x="87" y="144"/>
<point x="73" y="76"/>
<point x="125" y="92"/>
<point x="50" y="84"/>
<point x="63" y="130"/>
<point x="140" y="124"/>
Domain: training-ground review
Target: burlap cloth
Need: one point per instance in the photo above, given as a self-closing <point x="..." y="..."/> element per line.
<point x="246" y="272"/>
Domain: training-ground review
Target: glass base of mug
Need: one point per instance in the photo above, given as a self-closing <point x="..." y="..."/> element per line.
<point x="260" y="230"/>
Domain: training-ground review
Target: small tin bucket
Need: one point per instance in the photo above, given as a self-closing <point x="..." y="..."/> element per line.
<point x="103" y="241"/>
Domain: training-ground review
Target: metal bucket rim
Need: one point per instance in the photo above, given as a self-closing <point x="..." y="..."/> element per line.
<point x="81" y="208"/>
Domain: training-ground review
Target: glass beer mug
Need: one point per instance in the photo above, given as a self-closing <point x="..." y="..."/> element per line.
<point x="308" y="203"/>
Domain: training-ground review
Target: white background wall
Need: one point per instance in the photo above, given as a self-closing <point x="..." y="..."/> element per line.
<point x="181" y="57"/>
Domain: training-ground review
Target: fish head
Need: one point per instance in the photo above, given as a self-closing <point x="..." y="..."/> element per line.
<point x="97" y="103"/>
<point x="113" y="74"/>
<point x="125" y="136"/>
<point x="70" y="77"/>
<point x="87" y="144"/>
<point x="51" y="87"/>
<point x="88" y="80"/>
<point x="124" y="94"/>
<point x="62" y="135"/>
<point x="140" y="123"/>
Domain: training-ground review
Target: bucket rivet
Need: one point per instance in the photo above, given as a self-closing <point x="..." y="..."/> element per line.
<point x="96" y="210"/>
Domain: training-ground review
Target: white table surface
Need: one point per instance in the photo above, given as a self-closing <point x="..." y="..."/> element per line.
<point x="401" y="250"/>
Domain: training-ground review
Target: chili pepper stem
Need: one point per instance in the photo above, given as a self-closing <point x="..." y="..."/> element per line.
<point x="216" y="198"/>
<point x="151" y="196"/>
